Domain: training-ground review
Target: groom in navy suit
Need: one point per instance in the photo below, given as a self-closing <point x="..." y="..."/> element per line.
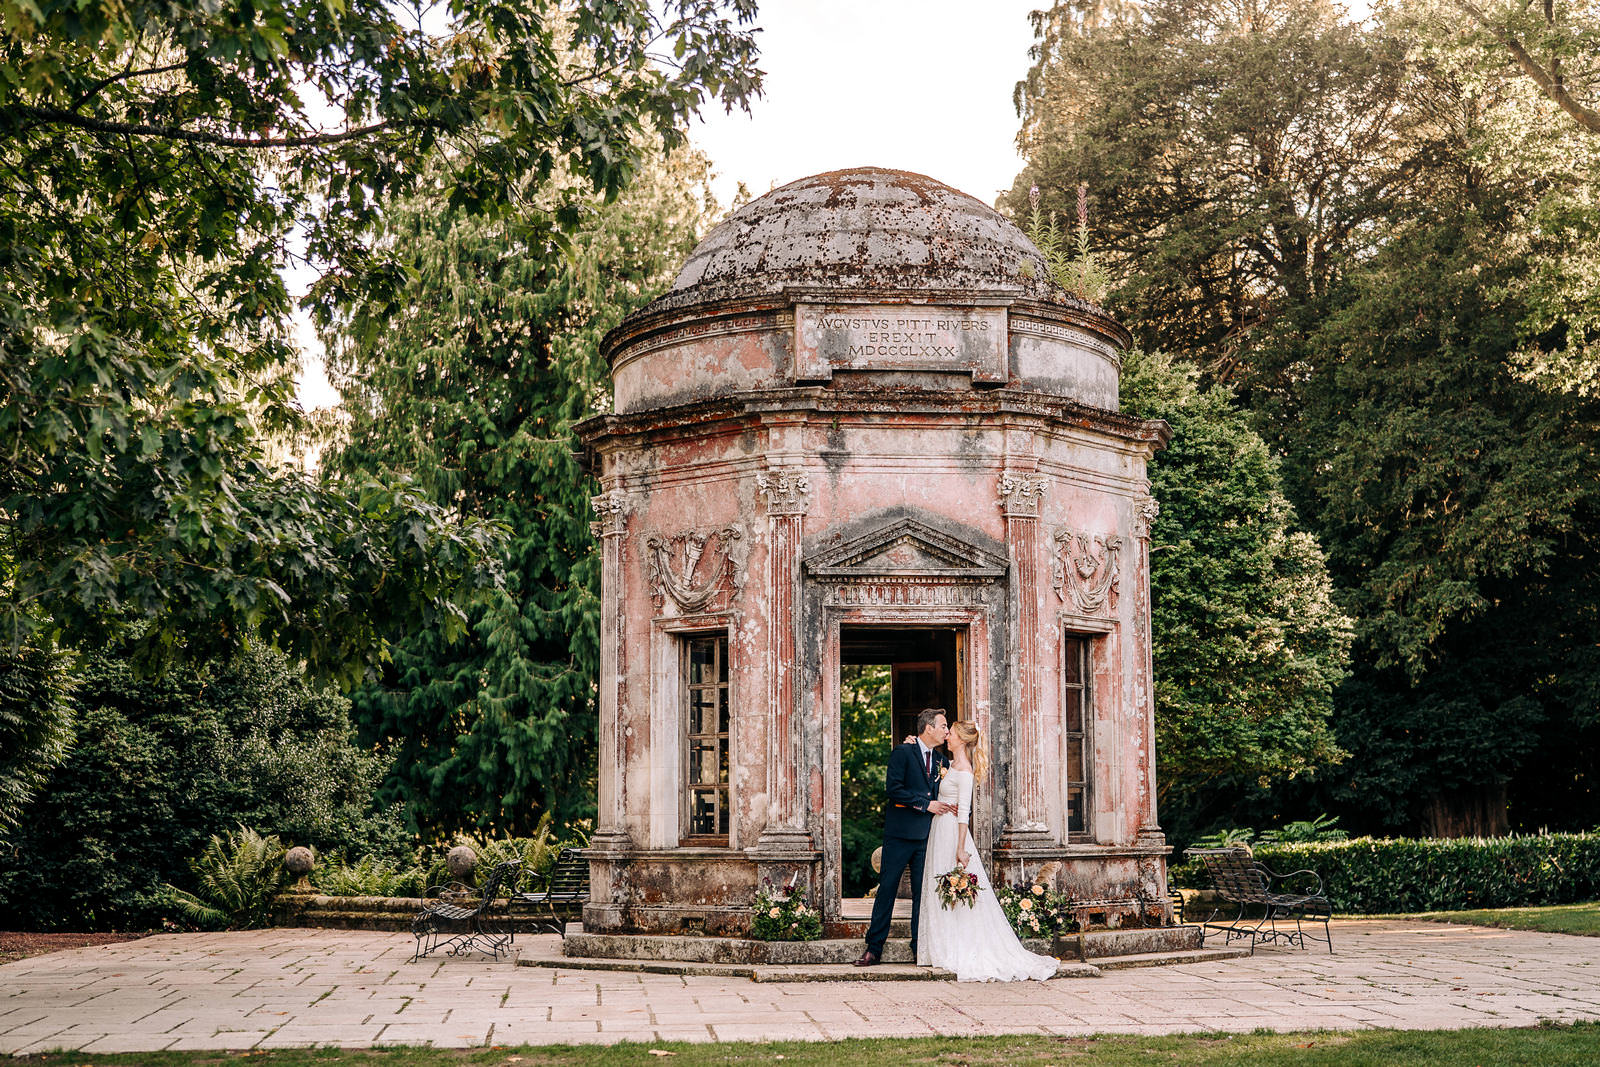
<point x="912" y="783"/>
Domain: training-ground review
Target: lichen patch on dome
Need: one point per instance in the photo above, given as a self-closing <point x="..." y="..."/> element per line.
<point x="867" y="228"/>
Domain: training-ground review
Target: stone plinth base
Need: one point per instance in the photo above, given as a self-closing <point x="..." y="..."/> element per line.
<point x="1119" y="885"/>
<point x="1094" y="945"/>
<point x="690" y="891"/>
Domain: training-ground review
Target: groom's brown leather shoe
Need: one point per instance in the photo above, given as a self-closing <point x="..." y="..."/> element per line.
<point x="868" y="958"/>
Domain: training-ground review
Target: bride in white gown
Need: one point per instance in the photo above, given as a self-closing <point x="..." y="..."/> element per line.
<point x="977" y="943"/>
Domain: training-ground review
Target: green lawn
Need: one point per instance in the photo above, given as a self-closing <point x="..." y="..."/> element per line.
<point x="1545" y="1046"/>
<point x="1556" y="919"/>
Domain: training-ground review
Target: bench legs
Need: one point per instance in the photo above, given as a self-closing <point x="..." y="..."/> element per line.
<point x="1266" y="930"/>
<point x="1297" y="936"/>
<point x="1235" y="929"/>
<point x="481" y="934"/>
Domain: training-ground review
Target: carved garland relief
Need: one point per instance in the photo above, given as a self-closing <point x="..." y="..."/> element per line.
<point x="1087" y="566"/>
<point x="696" y="570"/>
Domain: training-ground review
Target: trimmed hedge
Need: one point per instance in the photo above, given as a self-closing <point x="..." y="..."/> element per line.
<point x="1369" y="875"/>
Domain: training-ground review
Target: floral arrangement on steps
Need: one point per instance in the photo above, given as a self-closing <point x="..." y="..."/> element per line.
<point x="781" y="914"/>
<point x="1036" y="911"/>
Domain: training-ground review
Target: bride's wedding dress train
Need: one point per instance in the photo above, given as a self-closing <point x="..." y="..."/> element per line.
<point x="977" y="943"/>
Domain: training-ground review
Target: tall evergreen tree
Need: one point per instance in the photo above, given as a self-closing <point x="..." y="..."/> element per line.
<point x="1249" y="645"/>
<point x="1384" y="234"/>
<point x="469" y="384"/>
<point x="1461" y="506"/>
<point x="1234" y="152"/>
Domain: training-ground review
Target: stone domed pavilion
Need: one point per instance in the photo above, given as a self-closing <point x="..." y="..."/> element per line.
<point x="863" y="426"/>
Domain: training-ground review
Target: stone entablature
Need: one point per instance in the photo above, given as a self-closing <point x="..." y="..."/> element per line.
<point x="678" y="356"/>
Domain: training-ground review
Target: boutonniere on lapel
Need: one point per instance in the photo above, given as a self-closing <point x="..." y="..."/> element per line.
<point x="938" y="772"/>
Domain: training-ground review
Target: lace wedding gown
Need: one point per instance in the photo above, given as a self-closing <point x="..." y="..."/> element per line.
<point x="977" y="942"/>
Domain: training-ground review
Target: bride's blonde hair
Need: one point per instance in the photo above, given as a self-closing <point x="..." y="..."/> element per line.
<point x="972" y="737"/>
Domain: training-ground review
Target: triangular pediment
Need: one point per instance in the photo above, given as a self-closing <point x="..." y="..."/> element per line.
<point x="906" y="547"/>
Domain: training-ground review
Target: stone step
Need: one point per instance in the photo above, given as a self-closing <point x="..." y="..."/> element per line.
<point x="1096" y="945"/>
<point x="856" y="929"/>
<point x="1088" y="947"/>
<point x="1166" y="959"/>
<point x="795" y="972"/>
<point x="724" y="950"/>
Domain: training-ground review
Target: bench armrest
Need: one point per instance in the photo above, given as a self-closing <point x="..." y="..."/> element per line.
<point x="1276" y="877"/>
<point x="450" y="891"/>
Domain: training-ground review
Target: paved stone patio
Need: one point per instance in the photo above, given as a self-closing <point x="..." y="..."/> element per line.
<point x="274" y="988"/>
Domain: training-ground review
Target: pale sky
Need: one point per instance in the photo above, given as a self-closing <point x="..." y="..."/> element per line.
<point x="922" y="86"/>
<point x="919" y="85"/>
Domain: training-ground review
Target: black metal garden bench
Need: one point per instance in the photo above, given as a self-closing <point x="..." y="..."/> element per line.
<point x="461" y="919"/>
<point x="566" y="891"/>
<point x="1250" y="886"/>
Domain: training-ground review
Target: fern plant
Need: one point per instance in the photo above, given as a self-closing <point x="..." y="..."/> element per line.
<point x="537" y="853"/>
<point x="237" y="877"/>
<point x="1074" y="267"/>
<point x="1322" y="827"/>
<point x="1227" y="837"/>
<point x="370" y="876"/>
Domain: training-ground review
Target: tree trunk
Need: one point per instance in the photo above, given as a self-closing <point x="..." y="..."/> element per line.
<point x="1476" y="811"/>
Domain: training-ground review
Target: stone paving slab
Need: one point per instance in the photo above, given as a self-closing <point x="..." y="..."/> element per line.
<point x="278" y="988"/>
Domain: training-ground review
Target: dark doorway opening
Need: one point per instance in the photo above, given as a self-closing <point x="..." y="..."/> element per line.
<point x="886" y="676"/>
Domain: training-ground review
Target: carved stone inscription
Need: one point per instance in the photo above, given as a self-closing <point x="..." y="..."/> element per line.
<point x="900" y="337"/>
<point x="904" y="594"/>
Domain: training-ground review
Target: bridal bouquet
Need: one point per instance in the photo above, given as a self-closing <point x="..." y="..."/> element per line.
<point x="958" y="887"/>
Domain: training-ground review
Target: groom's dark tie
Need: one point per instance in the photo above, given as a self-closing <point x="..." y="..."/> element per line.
<point x="927" y="758"/>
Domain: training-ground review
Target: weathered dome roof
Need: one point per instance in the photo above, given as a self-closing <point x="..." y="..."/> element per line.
<point x="863" y="229"/>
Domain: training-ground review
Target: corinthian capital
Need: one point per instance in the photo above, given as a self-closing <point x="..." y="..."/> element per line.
<point x="1020" y="494"/>
<point x="1145" y="510"/>
<point x="787" y="490"/>
<point x="610" y="512"/>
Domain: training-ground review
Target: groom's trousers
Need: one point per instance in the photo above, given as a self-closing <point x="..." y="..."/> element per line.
<point x="897" y="852"/>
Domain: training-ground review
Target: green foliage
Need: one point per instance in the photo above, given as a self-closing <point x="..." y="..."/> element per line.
<point x="1385" y="875"/>
<point x="1318" y="828"/>
<point x="470" y="382"/>
<point x="1226" y="192"/>
<point x="537" y="853"/>
<point x="160" y="165"/>
<point x="161" y="765"/>
<point x="1460" y="507"/>
<point x="1390" y="256"/>
<point x="369" y="876"/>
<point x="782" y="915"/>
<point x="1555" y="46"/>
<point x="1037" y="911"/>
<point x="237" y="878"/>
<point x="1248" y="642"/>
<point x="1076" y="269"/>
<point x="865" y="744"/>
<point x="387" y="876"/>
<point x="35" y="726"/>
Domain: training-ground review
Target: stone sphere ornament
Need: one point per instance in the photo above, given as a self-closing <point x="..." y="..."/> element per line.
<point x="460" y="860"/>
<point x="300" y="861"/>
